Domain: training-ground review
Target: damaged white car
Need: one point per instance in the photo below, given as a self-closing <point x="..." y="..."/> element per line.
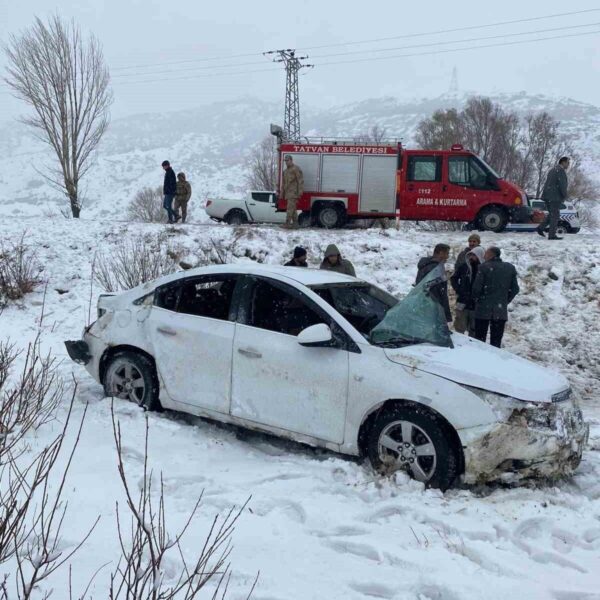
<point x="335" y="362"/>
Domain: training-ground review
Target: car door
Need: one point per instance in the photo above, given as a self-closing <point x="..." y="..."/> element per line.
<point x="421" y="187"/>
<point x="262" y="207"/>
<point x="276" y="381"/>
<point x="191" y="327"/>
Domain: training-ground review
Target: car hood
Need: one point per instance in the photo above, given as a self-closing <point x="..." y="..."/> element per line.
<point x="479" y="365"/>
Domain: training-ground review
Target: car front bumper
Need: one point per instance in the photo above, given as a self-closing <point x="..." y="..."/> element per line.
<point x="547" y="443"/>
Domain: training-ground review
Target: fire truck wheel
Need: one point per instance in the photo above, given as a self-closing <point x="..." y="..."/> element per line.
<point x="304" y="219"/>
<point x="236" y="217"/>
<point x="330" y="216"/>
<point x="493" y="218"/>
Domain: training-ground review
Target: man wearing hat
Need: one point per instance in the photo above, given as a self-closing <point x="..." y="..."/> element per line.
<point x="293" y="187"/>
<point x="299" y="259"/>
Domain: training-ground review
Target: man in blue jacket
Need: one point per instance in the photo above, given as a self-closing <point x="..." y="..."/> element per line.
<point x="554" y="194"/>
<point x="169" y="190"/>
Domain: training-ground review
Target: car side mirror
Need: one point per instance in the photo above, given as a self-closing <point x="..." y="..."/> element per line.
<point x="315" y="335"/>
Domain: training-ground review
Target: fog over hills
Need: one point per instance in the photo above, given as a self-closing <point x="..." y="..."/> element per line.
<point x="210" y="144"/>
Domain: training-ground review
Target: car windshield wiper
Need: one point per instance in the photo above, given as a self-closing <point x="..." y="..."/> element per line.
<point x="399" y="341"/>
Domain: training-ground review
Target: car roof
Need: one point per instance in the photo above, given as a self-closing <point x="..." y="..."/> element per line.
<point x="304" y="276"/>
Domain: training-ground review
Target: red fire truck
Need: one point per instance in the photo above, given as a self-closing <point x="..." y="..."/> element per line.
<point x="349" y="180"/>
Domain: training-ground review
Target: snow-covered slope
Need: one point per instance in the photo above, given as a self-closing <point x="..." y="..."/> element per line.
<point x="319" y="525"/>
<point x="209" y="144"/>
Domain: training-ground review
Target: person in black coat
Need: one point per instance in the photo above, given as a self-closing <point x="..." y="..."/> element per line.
<point x="462" y="281"/>
<point x="169" y="190"/>
<point x="553" y="195"/>
<point x="440" y="255"/>
<point x="299" y="258"/>
<point x="494" y="289"/>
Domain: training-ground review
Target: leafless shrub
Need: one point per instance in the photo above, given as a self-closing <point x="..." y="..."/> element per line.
<point x="140" y="573"/>
<point x="146" y="206"/>
<point x="589" y="213"/>
<point x="63" y="77"/>
<point x="19" y="271"/>
<point x="261" y="165"/>
<point x="32" y="514"/>
<point x="132" y="262"/>
<point x="377" y="134"/>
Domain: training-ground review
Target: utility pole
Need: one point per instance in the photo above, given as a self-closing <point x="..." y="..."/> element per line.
<point x="454" y="81"/>
<point x="293" y="64"/>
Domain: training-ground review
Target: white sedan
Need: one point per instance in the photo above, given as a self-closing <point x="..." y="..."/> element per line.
<point x="332" y="361"/>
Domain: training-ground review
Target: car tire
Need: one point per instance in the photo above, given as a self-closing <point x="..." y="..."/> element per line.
<point x="493" y="218"/>
<point x="563" y="228"/>
<point x="331" y="216"/>
<point x="236" y="217"/>
<point x="132" y="376"/>
<point x="429" y="455"/>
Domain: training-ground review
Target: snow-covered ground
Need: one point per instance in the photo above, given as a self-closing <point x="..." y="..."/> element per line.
<point x="319" y="525"/>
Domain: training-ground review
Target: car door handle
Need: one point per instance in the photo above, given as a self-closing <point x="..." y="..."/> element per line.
<point x="248" y="352"/>
<point x="166" y="331"/>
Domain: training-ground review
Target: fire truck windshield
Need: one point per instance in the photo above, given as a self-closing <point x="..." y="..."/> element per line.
<point x="488" y="167"/>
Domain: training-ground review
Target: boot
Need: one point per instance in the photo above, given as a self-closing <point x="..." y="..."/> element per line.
<point x="540" y="232"/>
<point x="554" y="237"/>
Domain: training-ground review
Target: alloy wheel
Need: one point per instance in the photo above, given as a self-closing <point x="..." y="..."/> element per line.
<point x="127" y="382"/>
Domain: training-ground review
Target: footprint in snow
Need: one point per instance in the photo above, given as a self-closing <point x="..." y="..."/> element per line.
<point x="354" y="548"/>
<point x="373" y="589"/>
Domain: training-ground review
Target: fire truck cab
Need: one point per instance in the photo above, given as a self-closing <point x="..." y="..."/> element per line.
<point x="349" y="180"/>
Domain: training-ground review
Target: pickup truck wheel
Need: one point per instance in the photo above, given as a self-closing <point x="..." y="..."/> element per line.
<point x="236" y="217"/>
<point x="330" y="216"/>
<point x="415" y="440"/>
<point x="132" y="377"/>
<point x="493" y="218"/>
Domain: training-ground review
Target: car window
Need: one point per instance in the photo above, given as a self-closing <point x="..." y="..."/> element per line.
<point x="362" y="305"/>
<point x="208" y="296"/>
<point x="466" y="170"/>
<point x="537" y="204"/>
<point x="424" y="168"/>
<point x="275" y="309"/>
<point x="261" y="196"/>
<point x="166" y="296"/>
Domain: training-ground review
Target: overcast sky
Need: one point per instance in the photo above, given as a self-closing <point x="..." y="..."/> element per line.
<point x="140" y="36"/>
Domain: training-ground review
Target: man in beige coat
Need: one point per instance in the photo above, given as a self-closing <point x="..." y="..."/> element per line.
<point x="293" y="186"/>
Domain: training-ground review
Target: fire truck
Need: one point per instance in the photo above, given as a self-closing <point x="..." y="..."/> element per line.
<point x="346" y="180"/>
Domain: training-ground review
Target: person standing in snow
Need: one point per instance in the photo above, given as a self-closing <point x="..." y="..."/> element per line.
<point x="553" y="195"/>
<point x="473" y="241"/>
<point x="293" y="188"/>
<point x="333" y="261"/>
<point x="169" y="190"/>
<point x="441" y="253"/>
<point x="462" y="282"/>
<point x="299" y="258"/>
<point x="183" y="193"/>
<point x="494" y="289"/>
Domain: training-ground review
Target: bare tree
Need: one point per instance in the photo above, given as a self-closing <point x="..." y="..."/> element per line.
<point x="63" y="77"/>
<point x="147" y="206"/>
<point x="441" y="130"/>
<point x="262" y="165"/>
<point x="376" y="135"/>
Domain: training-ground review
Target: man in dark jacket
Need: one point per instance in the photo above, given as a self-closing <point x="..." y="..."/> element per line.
<point x="333" y="261"/>
<point x="440" y="255"/>
<point x="554" y="194"/>
<point x="473" y="241"/>
<point x="462" y="282"/>
<point x="299" y="258"/>
<point x="494" y="289"/>
<point x="169" y="190"/>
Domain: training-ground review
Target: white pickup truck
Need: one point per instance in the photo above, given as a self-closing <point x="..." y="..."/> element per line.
<point x="257" y="207"/>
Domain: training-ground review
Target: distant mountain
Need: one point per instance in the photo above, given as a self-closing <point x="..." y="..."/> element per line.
<point x="210" y="143"/>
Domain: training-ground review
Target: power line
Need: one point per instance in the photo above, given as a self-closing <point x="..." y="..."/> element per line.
<point x="448" y="50"/>
<point x="454" y="30"/>
<point x="375" y="40"/>
<point x="466" y="40"/>
<point x="426" y="45"/>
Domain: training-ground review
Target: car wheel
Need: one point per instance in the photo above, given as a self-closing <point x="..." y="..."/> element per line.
<point x="562" y="228"/>
<point x="417" y="441"/>
<point x="236" y="217"/>
<point x="330" y="216"/>
<point x="493" y="218"/>
<point x="132" y="377"/>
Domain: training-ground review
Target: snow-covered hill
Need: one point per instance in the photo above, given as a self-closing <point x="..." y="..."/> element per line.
<point x="320" y="525"/>
<point x="210" y="143"/>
